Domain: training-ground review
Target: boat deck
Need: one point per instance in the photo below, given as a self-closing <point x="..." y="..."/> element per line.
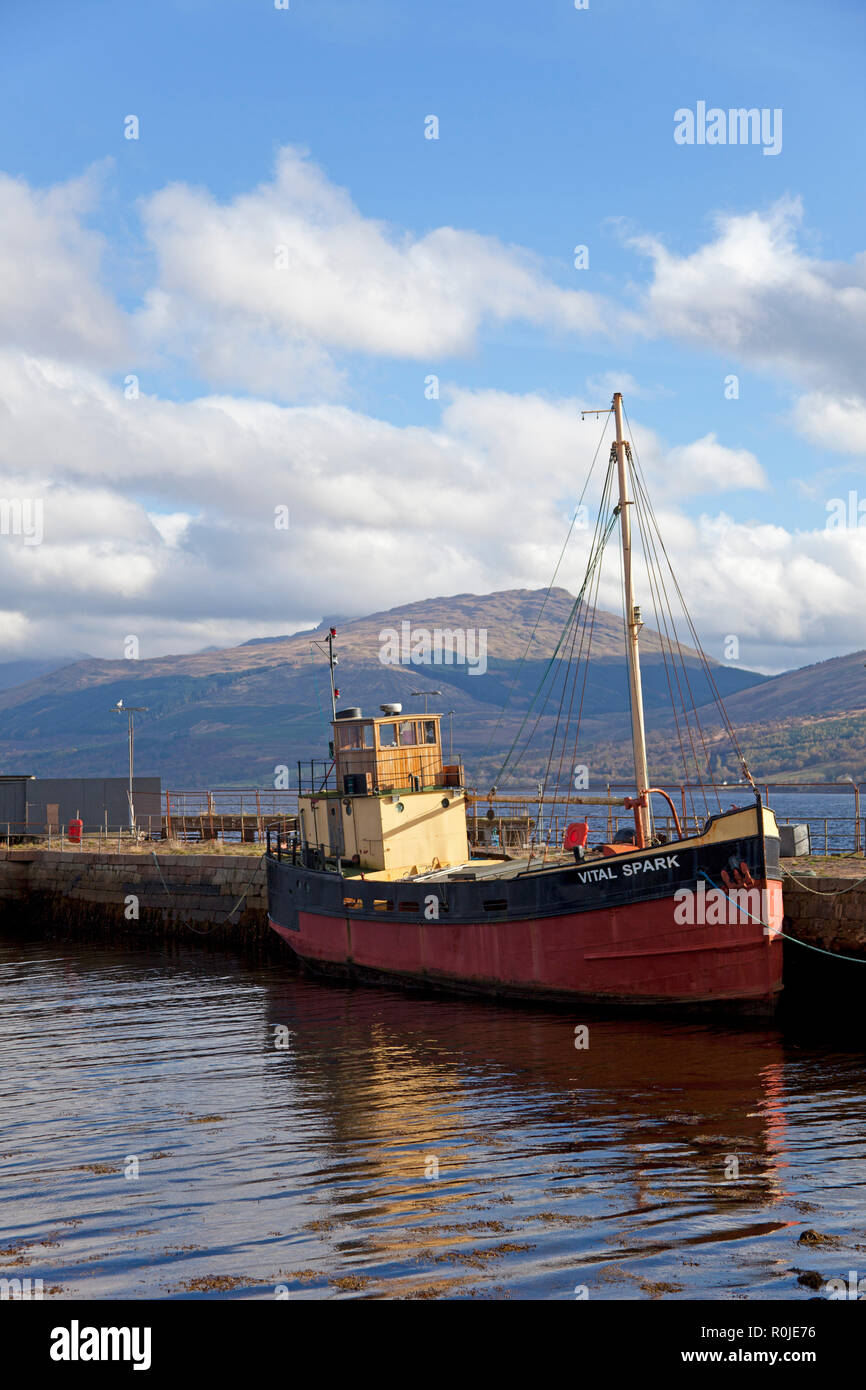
<point x="501" y="869"/>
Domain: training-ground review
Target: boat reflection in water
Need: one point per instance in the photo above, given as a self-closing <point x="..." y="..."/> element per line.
<point x="467" y="1142"/>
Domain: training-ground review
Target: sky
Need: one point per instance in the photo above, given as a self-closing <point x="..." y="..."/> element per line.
<point x="300" y="305"/>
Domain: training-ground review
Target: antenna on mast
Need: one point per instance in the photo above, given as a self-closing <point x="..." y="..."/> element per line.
<point x="332" y="662"/>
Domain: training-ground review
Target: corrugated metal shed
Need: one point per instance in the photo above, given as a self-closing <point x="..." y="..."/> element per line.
<point x="60" y="799"/>
<point x="13" y="800"/>
<point x="31" y="804"/>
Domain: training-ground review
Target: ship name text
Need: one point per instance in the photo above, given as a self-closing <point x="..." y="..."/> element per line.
<point x="640" y="866"/>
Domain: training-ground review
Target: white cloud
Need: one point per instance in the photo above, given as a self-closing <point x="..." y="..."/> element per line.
<point x="604" y="384"/>
<point x="13" y="633"/>
<point x="275" y="281"/>
<point x="379" y="514"/>
<point x="708" y="466"/>
<point x="754" y="293"/>
<point x="50" y="298"/>
<point x="172" y="526"/>
<point x="159" y="515"/>
<point x="833" y="421"/>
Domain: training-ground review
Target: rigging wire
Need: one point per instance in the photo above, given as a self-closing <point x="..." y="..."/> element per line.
<point x="531" y="638"/>
<point x="596" y="546"/>
<point x="574" y="645"/>
<point x="669" y="645"/>
<point x="696" y="640"/>
<point x="586" y="626"/>
<point x="594" y="560"/>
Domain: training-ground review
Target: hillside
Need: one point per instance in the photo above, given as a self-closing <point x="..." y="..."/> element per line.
<point x="229" y="717"/>
<point x="803" y="725"/>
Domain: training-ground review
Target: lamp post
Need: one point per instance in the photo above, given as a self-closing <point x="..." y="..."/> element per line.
<point x="425" y="693"/>
<point x="130" y="711"/>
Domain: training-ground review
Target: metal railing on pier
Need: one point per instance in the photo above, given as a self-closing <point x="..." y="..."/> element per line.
<point x="225" y="814"/>
<point x="516" y="824"/>
<point x="55" y="837"/>
<point x="498" y="825"/>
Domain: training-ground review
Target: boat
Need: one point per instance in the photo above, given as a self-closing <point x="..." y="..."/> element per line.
<point x="378" y="883"/>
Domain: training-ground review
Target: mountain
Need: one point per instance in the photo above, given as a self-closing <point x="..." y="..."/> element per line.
<point x="808" y="724"/>
<point x="230" y="717"/>
<point x="803" y="725"/>
<point x="829" y="687"/>
<point x="19" y="671"/>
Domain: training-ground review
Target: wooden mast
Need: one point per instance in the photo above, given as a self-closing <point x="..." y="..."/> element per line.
<point x="633" y="626"/>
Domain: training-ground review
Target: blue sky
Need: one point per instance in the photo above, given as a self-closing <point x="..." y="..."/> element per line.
<point x="555" y="129"/>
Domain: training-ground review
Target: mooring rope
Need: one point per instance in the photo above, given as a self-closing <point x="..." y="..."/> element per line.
<point x="834" y="955"/>
<point x="207" y="931"/>
<point x="766" y="927"/>
<point x="833" y="892"/>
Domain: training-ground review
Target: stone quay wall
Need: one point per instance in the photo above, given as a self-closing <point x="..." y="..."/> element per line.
<point x="195" y="896"/>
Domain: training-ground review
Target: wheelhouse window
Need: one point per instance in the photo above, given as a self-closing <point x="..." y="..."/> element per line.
<point x="429" y="730"/>
<point x="354" y="736"/>
<point x="387" y="735"/>
<point x="408" y="737"/>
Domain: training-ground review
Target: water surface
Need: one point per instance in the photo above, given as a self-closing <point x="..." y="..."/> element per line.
<point x="669" y="1159"/>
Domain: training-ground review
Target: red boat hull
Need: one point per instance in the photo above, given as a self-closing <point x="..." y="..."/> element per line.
<point x="636" y="954"/>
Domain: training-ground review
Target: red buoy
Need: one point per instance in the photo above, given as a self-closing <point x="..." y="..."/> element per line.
<point x="74" y="832"/>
